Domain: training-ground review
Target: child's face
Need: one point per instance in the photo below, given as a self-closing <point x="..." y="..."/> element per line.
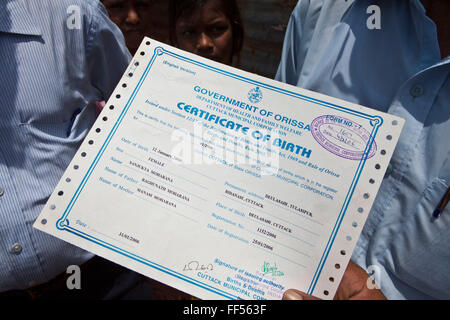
<point x="207" y="32"/>
<point x="133" y="19"/>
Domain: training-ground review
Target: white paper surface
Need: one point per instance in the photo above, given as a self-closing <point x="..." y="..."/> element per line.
<point x="221" y="183"/>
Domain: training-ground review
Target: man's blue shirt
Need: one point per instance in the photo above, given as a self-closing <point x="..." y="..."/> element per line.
<point x="330" y="47"/>
<point x="57" y="59"/>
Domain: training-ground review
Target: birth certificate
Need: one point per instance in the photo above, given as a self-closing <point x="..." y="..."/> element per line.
<point x="221" y="183"/>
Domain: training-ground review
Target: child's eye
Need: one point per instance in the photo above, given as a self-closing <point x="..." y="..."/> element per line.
<point x="144" y="3"/>
<point x="188" y="32"/>
<point x="218" y="30"/>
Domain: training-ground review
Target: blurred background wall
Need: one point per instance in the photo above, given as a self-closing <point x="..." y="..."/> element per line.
<point x="265" y="23"/>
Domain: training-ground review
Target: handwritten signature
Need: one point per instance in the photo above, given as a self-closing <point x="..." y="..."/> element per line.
<point x="273" y="270"/>
<point x="344" y="136"/>
<point x="195" y="266"/>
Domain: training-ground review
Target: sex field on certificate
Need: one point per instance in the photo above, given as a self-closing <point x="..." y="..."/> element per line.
<point x="222" y="183"/>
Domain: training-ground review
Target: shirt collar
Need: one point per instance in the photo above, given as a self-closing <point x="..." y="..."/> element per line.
<point x="15" y="18"/>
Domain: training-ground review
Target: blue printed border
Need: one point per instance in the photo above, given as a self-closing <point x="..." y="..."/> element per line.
<point x="63" y="223"/>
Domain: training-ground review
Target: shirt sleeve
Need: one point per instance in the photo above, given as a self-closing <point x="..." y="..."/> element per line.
<point x="287" y="69"/>
<point x="106" y="51"/>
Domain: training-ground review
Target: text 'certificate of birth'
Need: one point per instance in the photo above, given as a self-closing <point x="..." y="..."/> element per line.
<point x="221" y="183"/>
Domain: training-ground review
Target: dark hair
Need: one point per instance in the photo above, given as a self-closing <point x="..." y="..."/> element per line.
<point x="177" y="8"/>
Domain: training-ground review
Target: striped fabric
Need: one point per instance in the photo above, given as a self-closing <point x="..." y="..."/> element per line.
<point x="57" y="58"/>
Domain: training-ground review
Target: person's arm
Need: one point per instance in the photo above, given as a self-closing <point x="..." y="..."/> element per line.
<point x="297" y="40"/>
<point x="352" y="287"/>
<point x="107" y="54"/>
<point x="287" y="69"/>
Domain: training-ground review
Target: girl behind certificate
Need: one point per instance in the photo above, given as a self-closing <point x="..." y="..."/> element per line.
<point x="209" y="28"/>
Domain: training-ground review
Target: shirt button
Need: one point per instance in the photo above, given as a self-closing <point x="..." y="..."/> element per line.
<point x="417" y="90"/>
<point x="16" y="248"/>
<point x="1" y="192"/>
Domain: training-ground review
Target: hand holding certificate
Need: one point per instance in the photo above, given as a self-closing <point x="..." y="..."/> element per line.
<point x="221" y="183"/>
